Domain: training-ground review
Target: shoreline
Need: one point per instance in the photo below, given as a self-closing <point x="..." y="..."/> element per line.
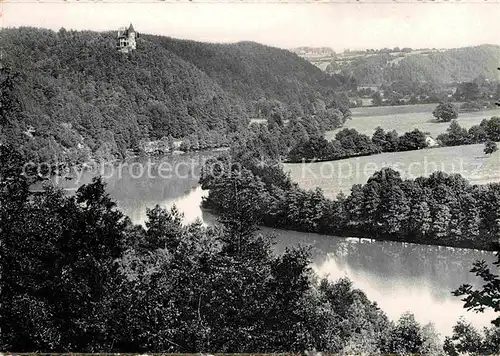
<point x="363" y="235"/>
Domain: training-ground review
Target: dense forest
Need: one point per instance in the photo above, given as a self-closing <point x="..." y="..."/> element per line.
<point x="79" y="98"/>
<point x="449" y="66"/>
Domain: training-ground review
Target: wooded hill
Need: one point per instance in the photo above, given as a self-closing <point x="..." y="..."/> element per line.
<point x="449" y="66"/>
<point x="78" y="96"/>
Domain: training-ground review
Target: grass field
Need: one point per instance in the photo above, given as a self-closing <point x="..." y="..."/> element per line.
<point x="406" y="118"/>
<point x="336" y="176"/>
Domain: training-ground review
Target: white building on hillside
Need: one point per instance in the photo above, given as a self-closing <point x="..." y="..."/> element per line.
<point x="126" y="40"/>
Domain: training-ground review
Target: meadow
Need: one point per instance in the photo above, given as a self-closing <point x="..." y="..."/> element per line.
<point x="335" y="176"/>
<point x="406" y="118"/>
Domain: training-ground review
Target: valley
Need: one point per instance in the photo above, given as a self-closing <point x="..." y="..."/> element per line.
<point x="145" y="205"/>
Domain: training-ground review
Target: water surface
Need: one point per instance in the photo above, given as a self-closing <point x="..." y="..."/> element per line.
<point x="399" y="277"/>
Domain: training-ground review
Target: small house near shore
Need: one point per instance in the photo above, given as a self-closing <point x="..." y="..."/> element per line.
<point x="431" y="142"/>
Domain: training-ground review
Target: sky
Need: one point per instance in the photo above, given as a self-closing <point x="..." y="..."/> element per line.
<point x="337" y="25"/>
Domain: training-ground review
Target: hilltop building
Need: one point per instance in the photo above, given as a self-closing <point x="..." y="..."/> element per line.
<point x="126" y="40"/>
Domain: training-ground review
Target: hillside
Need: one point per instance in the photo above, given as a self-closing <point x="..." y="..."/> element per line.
<point x="252" y="71"/>
<point x="79" y="97"/>
<point x="436" y="66"/>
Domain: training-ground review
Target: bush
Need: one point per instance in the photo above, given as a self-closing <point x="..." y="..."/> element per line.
<point x="490" y="147"/>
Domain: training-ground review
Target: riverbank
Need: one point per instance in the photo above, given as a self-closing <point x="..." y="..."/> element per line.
<point x="361" y="235"/>
<point x="364" y="235"/>
<point x="440" y="209"/>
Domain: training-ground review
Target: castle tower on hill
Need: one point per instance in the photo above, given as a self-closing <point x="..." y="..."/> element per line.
<point x="126" y="40"/>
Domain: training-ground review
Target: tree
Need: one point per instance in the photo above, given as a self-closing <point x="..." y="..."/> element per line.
<point x="490" y="147"/>
<point x="360" y="327"/>
<point x="11" y="108"/>
<point x="376" y="99"/>
<point x="163" y="228"/>
<point x="395" y="210"/>
<point x="472" y="218"/>
<point x="354" y="142"/>
<point x="445" y="112"/>
<point x="314" y="148"/>
<point x="379" y="138"/>
<point x="392" y="141"/>
<point x="406" y="336"/>
<point x="10" y="105"/>
<point x="421" y="219"/>
<point x="60" y="252"/>
<point x="492" y="128"/>
<point x="468" y="91"/>
<point x="491" y="344"/>
<point x="413" y="140"/>
<point x="431" y="345"/>
<point x="465" y="339"/>
<point x="354" y="204"/>
<point x="371" y="202"/>
<point x="477" y="134"/>
<point x="470" y="106"/>
<point x="455" y="135"/>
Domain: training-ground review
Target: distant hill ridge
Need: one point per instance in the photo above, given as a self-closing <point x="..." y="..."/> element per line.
<point x="305" y="50"/>
<point x="80" y="96"/>
<point x="438" y="66"/>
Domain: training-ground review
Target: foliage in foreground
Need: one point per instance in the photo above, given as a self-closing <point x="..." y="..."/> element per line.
<point x="466" y="339"/>
<point x="78" y="276"/>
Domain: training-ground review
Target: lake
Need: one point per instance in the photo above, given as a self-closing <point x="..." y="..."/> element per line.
<point x="398" y="276"/>
<point x="140" y="183"/>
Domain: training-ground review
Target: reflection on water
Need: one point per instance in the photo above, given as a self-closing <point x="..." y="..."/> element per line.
<point x="141" y="183"/>
<point x="398" y="276"/>
<point x="189" y="204"/>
